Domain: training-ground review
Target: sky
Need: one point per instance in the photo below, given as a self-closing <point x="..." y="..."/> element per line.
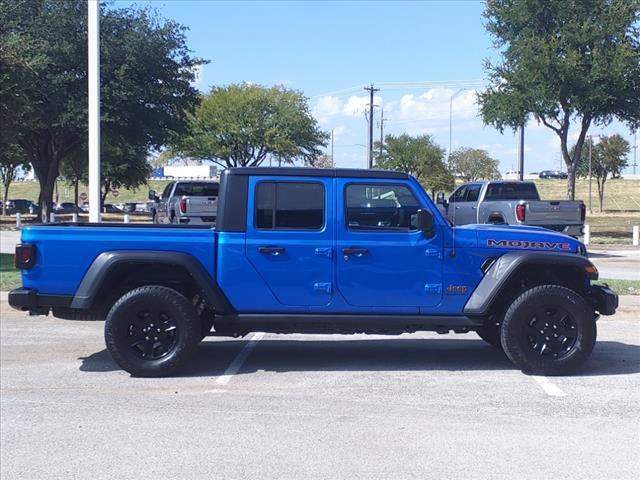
<point x="419" y="54"/>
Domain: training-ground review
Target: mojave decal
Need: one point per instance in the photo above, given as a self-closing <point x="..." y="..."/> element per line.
<point x="526" y="244"/>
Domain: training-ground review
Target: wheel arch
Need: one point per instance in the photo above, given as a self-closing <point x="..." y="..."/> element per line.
<point x="510" y="272"/>
<point x="111" y="272"/>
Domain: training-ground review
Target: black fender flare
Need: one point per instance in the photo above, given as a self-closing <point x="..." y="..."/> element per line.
<point x="505" y="267"/>
<point x="106" y="262"/>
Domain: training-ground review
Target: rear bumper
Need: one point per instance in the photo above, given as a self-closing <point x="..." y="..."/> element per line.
<point x="25" y="299"/>
<point x="604" y="300"/>
<point x="197" y="219"/>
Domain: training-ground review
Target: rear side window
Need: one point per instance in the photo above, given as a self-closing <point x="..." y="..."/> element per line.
<point x="289" y="206"/>
<point x="381" y="207"/>
<point x="511" y="191"/>
<point x="197" y="189"/>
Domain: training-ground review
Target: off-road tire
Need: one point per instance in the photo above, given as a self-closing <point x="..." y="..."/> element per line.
<point x="530" y="312"/>
<point x="172" y="318"/>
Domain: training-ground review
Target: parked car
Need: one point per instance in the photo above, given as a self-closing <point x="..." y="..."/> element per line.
<point x="553" y="174"/>
<point x="511" y="203"/>
<point x="110" y="208"/>
<point x="186" y="202"/>
<point x="17" y="205"/>
<point x="316" y="251"/>
<point x="65" y="208"/>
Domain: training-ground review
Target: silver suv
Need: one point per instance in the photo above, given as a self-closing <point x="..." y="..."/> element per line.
<point x="186" y="202"/>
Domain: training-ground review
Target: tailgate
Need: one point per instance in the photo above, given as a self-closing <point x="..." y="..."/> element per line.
<point x="554" y="212"/>
<point x="202" y="205"/>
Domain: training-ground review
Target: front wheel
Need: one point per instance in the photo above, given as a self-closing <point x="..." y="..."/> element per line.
<point x="549" y="330"/>
<point x="152" y="331"/>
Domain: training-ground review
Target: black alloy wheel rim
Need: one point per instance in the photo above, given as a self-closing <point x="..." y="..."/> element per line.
<point x="551" y="332"/>
<point x="152" y="334"/>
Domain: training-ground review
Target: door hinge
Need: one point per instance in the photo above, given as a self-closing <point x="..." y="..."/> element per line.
<point x="324" y="252"/>
<point x="322" y="287"/>
<point x="433" y="288"/>
<point x="432" y="252"/>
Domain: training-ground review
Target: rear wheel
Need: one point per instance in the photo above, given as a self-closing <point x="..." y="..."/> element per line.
<point x="152" y="331"/>
<point x="549" y="330"/>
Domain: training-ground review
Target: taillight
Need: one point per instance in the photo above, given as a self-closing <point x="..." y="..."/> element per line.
<point x="520" y="212"/>
<point x="183" y="205"/>
<point x="583" y="212"/>
<point x="25" y="256"/>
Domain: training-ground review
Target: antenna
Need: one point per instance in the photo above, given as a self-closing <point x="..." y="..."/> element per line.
<point x="453" y="227"/>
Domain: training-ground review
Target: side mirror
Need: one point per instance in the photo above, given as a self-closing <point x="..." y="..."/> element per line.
<point x="440" y="200"/>
<point x="153" y="196"/>
<point x="425" y="223"/>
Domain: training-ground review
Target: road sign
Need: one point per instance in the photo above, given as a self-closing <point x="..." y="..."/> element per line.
<point x="83" y="196"/>
<point x="115" y="193"/>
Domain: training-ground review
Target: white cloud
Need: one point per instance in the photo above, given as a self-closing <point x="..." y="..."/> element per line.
<point x="339" y="132"/>
<point x="197" y="76"/>
<point x="434" y="105"/>
<point x="327" y="107"/>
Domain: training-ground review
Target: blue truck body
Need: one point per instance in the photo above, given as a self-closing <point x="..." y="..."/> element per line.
<point x="334" y="270"/>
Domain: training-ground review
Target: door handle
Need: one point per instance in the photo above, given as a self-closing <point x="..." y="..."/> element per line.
<point x="271" y="250"/>
<point x="354" y="251"/>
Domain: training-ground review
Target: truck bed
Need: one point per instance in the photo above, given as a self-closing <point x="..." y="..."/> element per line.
<point x="67" y="249"/>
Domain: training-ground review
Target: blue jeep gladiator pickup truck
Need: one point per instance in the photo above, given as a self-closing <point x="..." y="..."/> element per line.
<point x="316" y="251"/>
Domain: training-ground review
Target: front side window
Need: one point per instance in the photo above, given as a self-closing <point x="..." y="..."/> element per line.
<point x="472" y="193"/>
<point x="289" y="206"/>
<point x="167" y="190"/>
<point x="458" y="195"/>
<point x="381" y="207"/>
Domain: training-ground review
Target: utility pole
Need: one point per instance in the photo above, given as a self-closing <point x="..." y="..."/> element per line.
<point x="371" y="91"/>
<point x="381" y="130"/>
<point x="94" y="109"/>
<point x="521" y="154"/>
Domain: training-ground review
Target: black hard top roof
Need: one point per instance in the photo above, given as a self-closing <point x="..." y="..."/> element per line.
<point x="316" y="172"/>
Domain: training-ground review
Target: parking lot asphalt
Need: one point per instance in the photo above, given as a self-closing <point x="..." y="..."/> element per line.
<point x="269" y="406"/>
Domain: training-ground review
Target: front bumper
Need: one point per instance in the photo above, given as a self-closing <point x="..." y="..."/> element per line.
<point x="604" y="300"/>
<point x="25" y="299"/>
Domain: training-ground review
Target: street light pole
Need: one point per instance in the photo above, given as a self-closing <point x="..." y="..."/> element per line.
<point x="451" y="118"/>
<point x="590" y="147"/>
<point x="94" y="109"/>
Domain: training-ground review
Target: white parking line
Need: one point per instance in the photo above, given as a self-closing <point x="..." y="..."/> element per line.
<point x="549" y="388"/>
<point x="235" y="366"/>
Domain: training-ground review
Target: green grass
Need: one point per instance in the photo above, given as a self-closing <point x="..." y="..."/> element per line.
<point x="621" y="287"/>
<point x="9" y="276"/>
<point x="613" y="226"/>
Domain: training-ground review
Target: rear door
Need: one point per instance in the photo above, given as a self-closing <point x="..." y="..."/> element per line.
<point x="382" y="258"/>
<point x="290" y="237"/>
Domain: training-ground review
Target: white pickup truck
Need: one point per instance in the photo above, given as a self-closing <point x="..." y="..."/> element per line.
<point x="186" y="202"/>
<point x="511" y="203"/>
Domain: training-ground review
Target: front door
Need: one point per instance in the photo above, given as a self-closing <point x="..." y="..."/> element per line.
<point x="290" y="237"/>
<point x="382" y="258"/>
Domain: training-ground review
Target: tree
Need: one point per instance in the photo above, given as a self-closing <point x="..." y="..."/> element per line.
<point x="319" y="161"/>
<point x="125" y="166"/>
<point x="608" y="158"/>
<point x="473" y="164"/>
<point x="243" y="125"/>
<point x="418" y="156"/>
<point x="146" y="70"/>
<point x="574" y="61"/>
<point x="11" y="160"/>
<point x="74" y="169"/>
